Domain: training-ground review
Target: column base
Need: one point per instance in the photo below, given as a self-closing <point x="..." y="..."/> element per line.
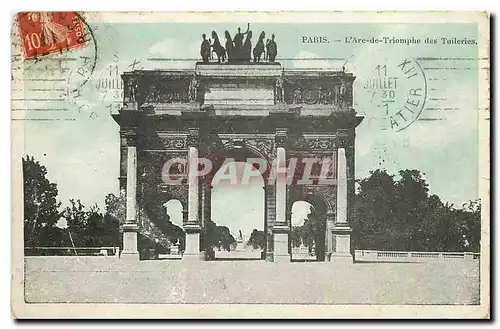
<point x="342" y="239"/>
<point x="341" y="258"/>
<point x="192" y="252"/>
<point x="269" y="256"/>
<point x="130" y="251"/>
<point x="196" y="257"/>
<point x="280" y="237"/>
<point x="129" y="256"/>
<point x="282" y="259"/>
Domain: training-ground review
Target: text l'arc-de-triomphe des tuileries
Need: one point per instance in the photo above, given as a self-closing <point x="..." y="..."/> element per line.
<point x="239" y="110"/>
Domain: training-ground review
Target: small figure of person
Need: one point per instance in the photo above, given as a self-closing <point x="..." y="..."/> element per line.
<point x="205" y="49"/>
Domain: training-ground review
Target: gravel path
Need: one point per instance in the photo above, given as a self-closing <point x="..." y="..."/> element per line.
<point x="100" y="279"/>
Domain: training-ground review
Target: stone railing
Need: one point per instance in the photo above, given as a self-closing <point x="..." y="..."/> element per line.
<point x="70" y="251"/>
<point x="410" y="256"/>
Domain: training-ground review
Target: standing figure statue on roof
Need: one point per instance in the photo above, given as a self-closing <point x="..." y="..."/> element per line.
<point x="238" y="43"/>
<point x="272" y="50"/>
<point x="205" y="49"/>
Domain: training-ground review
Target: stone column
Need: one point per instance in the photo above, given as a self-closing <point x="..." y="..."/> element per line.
<point x="341" y="231"/>
<point x="330" y="224"/>
<point x="280" y="226"/>
<point x="265" y="251"/>
<point x="206" y="199"/>
<point x="130" y="227"/>
<point x="192" y="225"/>
<point x="270" y="211"/>
<point x="206" y="209"/>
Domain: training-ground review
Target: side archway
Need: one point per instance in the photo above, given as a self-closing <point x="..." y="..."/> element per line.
<point x="308" y="241"/>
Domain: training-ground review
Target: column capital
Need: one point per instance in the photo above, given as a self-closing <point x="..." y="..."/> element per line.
<point x="281" y="137"/>
<point x="132" y="140"/>
<point x="342" y="138"/>
<point x="128" y="136"/>
<point x="130" y="227"/>
<point x="193" y="137"/>
<point x="190" y="227"/>
<point x="280" y="227"/>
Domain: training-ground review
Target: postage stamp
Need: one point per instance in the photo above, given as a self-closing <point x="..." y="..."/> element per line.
<point x="44" y="33"/>
<point x="243" y="165"/>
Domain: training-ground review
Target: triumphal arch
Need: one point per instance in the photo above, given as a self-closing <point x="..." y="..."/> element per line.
<point x="238" y="110"/>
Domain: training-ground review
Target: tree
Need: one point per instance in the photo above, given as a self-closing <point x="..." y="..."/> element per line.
<point x="257" y="239"/>
<point x="314" y="233"/>
<point x="217" y="237"/>
<point x="400" y="214"/>
<point x="115" y="206"/>
<point x="76" y="218"/>
<point x="373" y="215"/>
<point x="297" y="236"/>
<point x="40" y="204"/>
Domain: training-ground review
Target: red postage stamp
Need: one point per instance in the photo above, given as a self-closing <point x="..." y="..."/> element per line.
<point x="44" y="33"/>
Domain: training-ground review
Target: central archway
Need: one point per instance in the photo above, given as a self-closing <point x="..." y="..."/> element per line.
<point x="237" y="223"/>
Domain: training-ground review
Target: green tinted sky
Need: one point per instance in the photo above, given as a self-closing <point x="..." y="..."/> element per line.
<point x="82" y="155"/>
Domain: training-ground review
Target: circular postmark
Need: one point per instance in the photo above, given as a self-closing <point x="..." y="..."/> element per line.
<point x="392" y="93"/>
<point x="82" y="69"/>
<point x="85" y="61"/>
<point x="54" y="58"/>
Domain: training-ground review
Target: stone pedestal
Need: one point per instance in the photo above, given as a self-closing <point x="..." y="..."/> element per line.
<point x="192" y="251"/>
<point x="341" y="244"/>
<point x="329" y="239"/>
<point x="280" y="237"/>
<point x="130" y="252"/>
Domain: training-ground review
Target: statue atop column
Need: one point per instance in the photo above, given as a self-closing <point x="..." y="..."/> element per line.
<point x="193" y="90"/>
<point x="279" y="91"/>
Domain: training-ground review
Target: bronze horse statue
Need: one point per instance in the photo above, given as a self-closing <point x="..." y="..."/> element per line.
<point x="217" y="48"/>
<point x="229" y="47"/>
<point x="259" y="48"/>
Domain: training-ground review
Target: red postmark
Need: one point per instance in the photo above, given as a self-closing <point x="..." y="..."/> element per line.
<point x="44" y="33"/>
